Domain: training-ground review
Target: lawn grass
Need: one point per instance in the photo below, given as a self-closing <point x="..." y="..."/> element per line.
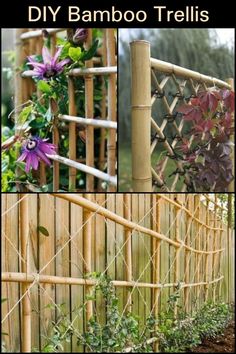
<point x="125" y="173"/>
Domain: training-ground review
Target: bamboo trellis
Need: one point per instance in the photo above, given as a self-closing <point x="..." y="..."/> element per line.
<point x="30" y="41"/>
<point x="148" y="72"/>
<point x="149" y="245"/>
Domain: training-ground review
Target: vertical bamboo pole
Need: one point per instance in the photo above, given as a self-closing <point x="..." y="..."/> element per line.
<point x="72" y="134"/>
<point x="55" y="132"/>
<point x="198" y="245"/>
<point x="26" y="306"/>
<point x="89" y="114"/>
<point x="187" y="261"/>
<point x="231" y="186"/>
<point x="18" y="83"/>
<point x="111" y="143"/>
<point x="88" y="255"/>
<point x="222" y="244"/>
<point x="128" y="250"/>
<point x="228" y="241"/>
<point x="103" y="108"/>
<point x="156" y="258"/>
<point x="141" y="116"/>
<point x="56" y="167"/>
<point x="207" y="278"/>
<point x="42" y="167"/>
<point x="215" y="246"/>
<point x="177" y="250"/>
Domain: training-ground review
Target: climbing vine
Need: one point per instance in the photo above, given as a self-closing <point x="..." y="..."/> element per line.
<point x="205" y="149"/>
<point x="35" y="119"/>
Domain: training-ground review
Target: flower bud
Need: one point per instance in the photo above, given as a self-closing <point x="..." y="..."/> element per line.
<point x="80" y="35"/>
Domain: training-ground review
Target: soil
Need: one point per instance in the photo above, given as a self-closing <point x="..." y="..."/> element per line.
<point x="221" y="344"/>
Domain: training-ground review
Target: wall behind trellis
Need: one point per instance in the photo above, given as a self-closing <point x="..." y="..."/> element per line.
<point x="63" y="220"/>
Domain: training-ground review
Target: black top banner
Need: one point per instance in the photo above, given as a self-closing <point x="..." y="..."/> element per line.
<point x="154" y="13"/>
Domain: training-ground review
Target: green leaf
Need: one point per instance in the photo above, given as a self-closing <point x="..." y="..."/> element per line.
<point x="38" y="123"/>
<point x="48" y="114"/>
<point x="44" y="87"/>
<point x="43" y="230"/>
<point x="21" y="165"/>
<point x="24" y="114"/>
<point x="90" y="53"/>
<point x="74" y="53"/>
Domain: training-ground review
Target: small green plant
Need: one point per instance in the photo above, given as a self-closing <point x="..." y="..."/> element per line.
<point x="175" y="331"/>
<point x="212" y="319"/>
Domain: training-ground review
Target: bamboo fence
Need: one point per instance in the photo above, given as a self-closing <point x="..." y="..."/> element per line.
<point x="29" y="42"/>
<point x="147" y="73"/>
<point x="149" y="245"/>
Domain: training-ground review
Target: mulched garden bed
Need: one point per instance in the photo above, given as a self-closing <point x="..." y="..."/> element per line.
<point x="221" y="344"/>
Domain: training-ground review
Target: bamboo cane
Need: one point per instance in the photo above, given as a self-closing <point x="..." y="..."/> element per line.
<point x="207" y="255"/>
<point x="100" y="123"/>
<point x="72" y="134"/>
<point x="128" y="250"/>
<point x="51" y="279"/>
<point x="38" y="33"/>
<point x="102" y="147"/>
<point x="141" y="116"/>
<point x="177" y="252"/>
<point x="156" y="259"/>
<point x="111" y="141"/>
<point x="169" y="68"/>
<point x="89" y="114"/>
<point x="106" y="70"/>
<point x="26" y="305"/>
<point x="198" y="245"/>
<point x="126" y="223"/>
<point x="56" y="167"/>
<point x="18" y="99"/>
<point x="231" y="186"/>
<point x="87" y="241"/>
<point x="84" y="168"/>
<point x="187" y="263"/>
<point x="215" y="245"/>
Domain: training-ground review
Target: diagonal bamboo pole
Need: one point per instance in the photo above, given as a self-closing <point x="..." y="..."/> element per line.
<point x="89" y="205"/>
<point x="141" y="116"/>
<point x="26" y="306"/>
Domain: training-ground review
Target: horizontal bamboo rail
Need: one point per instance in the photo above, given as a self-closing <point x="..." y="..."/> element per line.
<point x="169" y="68"/>
<point x="87" y="204"/>
<point x="84" y="168"/>
<point x="100" y="123"/>
<point x="38" y="33"/>
<point x="83" y="72"/>
<point x="51" y="279"/>
<point x="179" y="205"/>
<point x="93" y="71"/>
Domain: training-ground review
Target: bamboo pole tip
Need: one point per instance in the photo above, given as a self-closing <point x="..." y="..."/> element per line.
<point x="230" y="81"/>
<point x="140" y="42"/>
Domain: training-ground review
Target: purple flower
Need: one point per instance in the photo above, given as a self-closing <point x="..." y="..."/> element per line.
<point x="80" y="35"/>
<point x="50" y="66"/>
<point x="35" y="150"/>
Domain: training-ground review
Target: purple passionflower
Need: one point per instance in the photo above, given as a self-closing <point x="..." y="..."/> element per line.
<point x="50" y="66"/>
<point x="80" y="35"/>
<point x="35" y="150"/>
